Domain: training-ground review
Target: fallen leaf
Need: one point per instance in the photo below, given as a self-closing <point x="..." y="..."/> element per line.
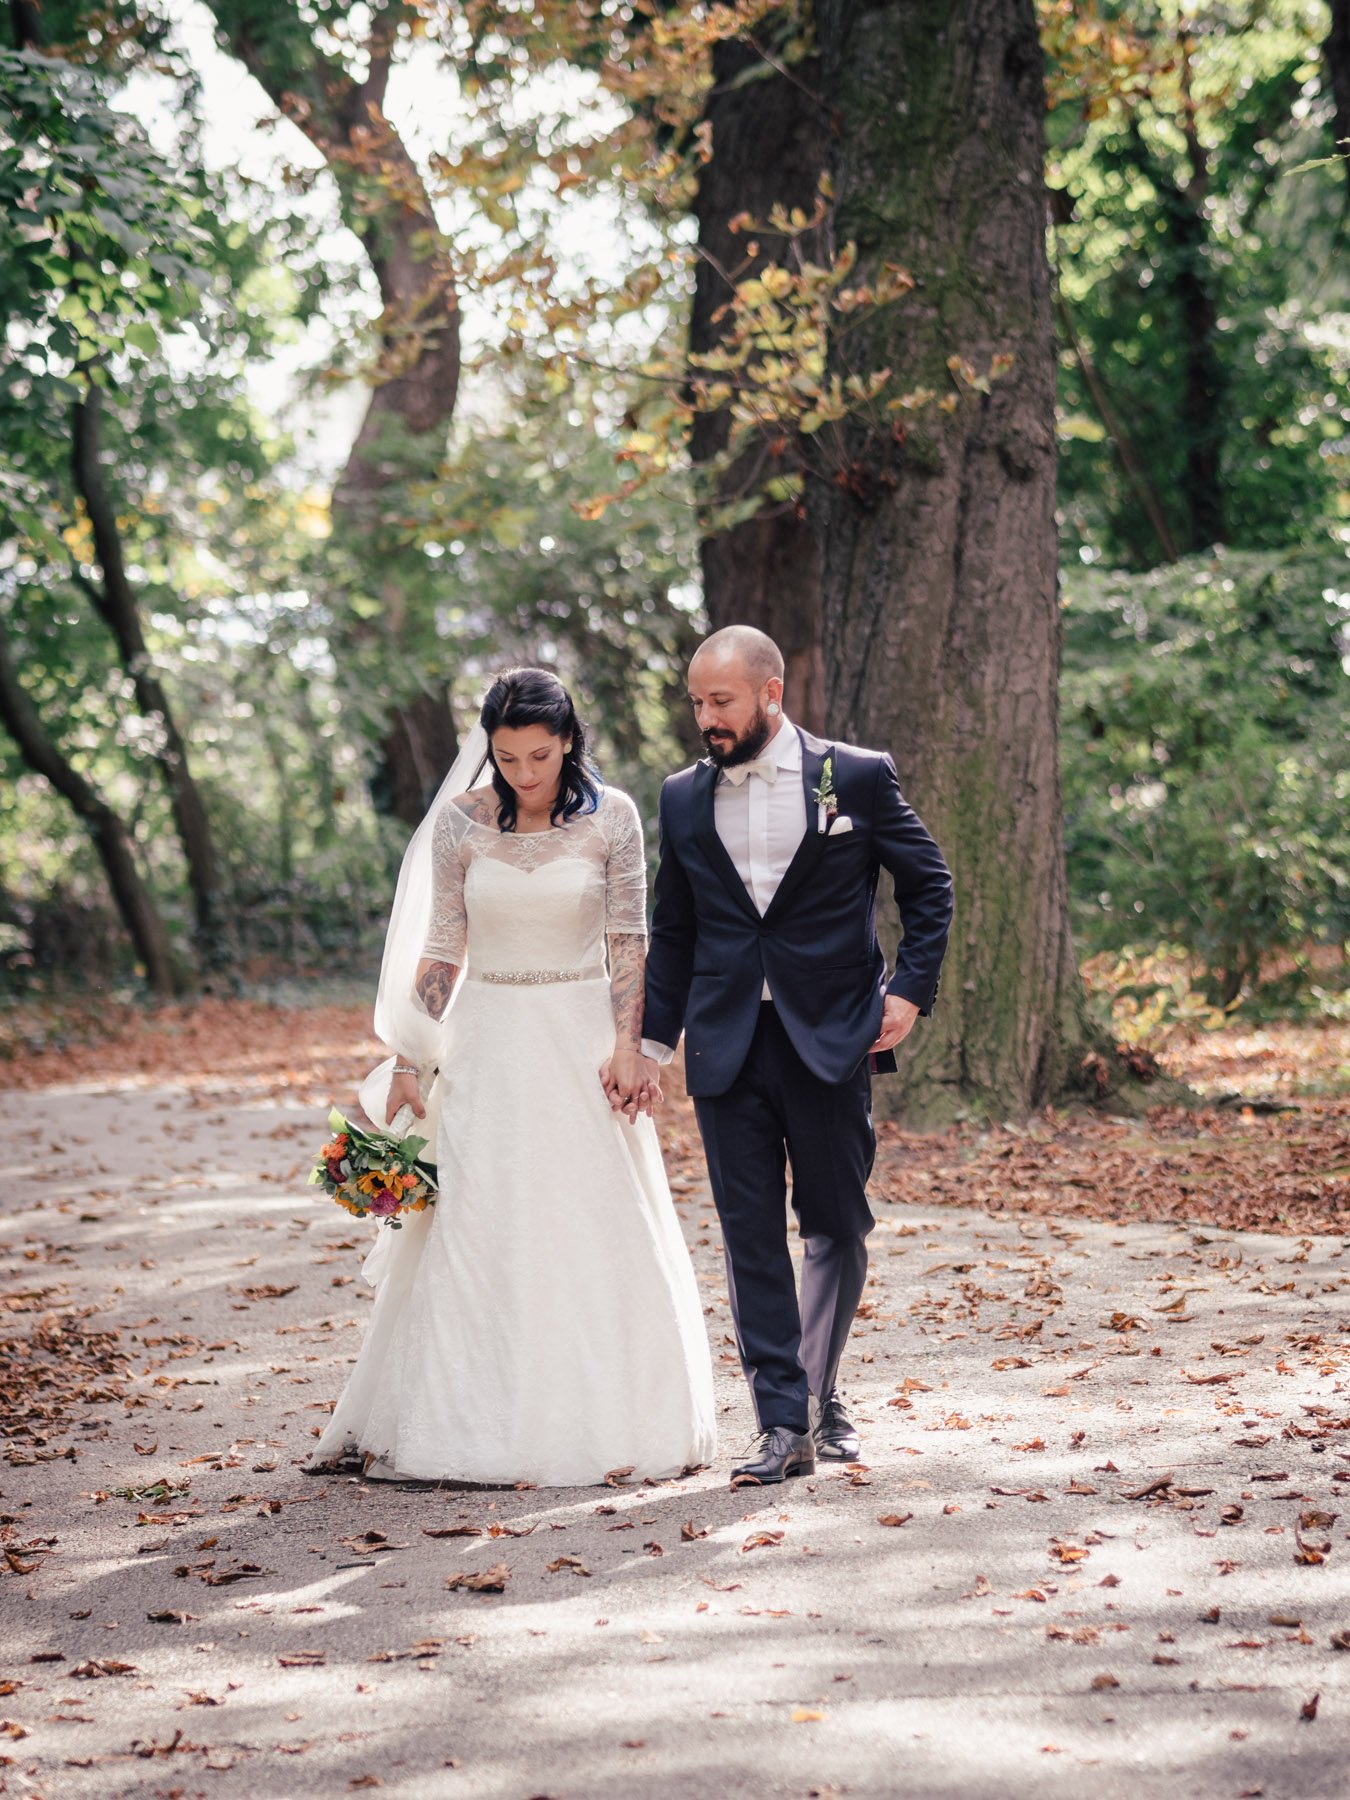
<point x="894" y="1518"/>
<point x="1155" y="1486"/>
<point x="762" y="1540"/>
<point x="482" y="1581"/>
<point x="1308" y="1710"/>
<point x="574" y="1563"/>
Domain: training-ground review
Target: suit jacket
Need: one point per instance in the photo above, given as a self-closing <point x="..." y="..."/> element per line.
<point x="711" y="950"/>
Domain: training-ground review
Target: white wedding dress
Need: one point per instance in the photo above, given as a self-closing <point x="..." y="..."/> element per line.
<point x="541" y="1321"/>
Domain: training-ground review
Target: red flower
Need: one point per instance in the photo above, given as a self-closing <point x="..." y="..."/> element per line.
<point x="386" y="1202"/>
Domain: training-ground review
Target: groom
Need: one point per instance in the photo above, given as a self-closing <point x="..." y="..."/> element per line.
<point x="764" y="952"/>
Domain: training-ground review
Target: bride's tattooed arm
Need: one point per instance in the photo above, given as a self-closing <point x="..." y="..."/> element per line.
<point x="435" y="984"/>
<point x="627" y="959"/>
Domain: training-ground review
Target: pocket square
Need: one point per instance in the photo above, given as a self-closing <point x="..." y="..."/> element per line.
<point x="839" y="826"/>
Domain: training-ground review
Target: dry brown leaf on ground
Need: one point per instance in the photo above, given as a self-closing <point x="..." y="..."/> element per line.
<point x="763" y="1540"/>
<point x="481" y="1581"/>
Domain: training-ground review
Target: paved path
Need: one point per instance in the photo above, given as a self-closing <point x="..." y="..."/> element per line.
<point x="1102" y="1442"/>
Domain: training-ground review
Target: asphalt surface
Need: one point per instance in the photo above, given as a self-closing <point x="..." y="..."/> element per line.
<point x="1119" y="1458"/>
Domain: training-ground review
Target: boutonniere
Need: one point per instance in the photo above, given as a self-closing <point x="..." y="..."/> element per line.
<point x="827" y="801"/>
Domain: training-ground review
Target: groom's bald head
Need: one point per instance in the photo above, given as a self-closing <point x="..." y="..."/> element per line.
<point x="735" y="686"/>
<point x="741" y="649"/>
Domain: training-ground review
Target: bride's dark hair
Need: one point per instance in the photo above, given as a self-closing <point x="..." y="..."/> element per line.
<point x="535" y="697"/>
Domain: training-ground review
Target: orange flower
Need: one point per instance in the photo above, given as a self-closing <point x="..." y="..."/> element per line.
<point x="410" y="1181"/>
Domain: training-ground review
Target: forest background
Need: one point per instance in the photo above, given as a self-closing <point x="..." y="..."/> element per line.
<point x="352" y="352"/>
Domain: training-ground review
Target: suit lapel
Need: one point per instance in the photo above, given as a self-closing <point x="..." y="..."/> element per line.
<point x="705" y="830"/>
<point x="809" y="850"/>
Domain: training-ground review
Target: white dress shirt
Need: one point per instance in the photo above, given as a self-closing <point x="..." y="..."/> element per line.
<point x="762" y="824"/>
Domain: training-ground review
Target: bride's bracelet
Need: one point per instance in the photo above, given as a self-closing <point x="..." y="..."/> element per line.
<point x="406" y="1069"/>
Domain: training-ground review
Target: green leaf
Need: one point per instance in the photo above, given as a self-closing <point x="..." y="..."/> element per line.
<point x="143" y="337"/>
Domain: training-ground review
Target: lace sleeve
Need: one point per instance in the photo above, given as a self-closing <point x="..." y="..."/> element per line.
<point x="447" y="931"/>
<point x="625" y="867"/>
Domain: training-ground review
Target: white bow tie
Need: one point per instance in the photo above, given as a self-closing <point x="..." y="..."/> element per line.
<point x="736" y="773"/>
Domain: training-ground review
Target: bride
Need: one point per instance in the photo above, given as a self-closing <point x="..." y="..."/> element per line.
<point x="540" y="1323"/>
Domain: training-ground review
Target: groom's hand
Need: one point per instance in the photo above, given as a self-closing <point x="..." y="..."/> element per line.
<point x="897" y="1021"/>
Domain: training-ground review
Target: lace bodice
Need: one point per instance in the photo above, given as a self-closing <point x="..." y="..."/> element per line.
<point x="534" y="900"/>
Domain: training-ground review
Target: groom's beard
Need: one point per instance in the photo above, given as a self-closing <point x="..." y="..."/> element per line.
<point x="726" y="752"/>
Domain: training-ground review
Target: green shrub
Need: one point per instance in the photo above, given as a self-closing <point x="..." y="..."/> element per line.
<point x="1206" y="717"/>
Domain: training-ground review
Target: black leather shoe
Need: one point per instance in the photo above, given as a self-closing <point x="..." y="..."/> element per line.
<point x="834" y="1433"/>
<point x="775" y="1454"/>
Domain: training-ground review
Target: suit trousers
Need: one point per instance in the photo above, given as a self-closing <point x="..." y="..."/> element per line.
<point x="775" y="1114"/>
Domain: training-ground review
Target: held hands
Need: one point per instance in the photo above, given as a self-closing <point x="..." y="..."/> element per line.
<point x="403" y="1091"/>
<point x="897" y="1021"/>
<point x="632" y="1082"/>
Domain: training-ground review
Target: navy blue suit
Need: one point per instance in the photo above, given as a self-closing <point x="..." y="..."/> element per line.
<point x="790" y="1081"/>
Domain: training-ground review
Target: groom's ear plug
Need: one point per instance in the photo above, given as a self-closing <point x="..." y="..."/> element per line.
<point x="773" y="709"/>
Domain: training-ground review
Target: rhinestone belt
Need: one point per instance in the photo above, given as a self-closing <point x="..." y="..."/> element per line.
<point x="533" y="977"/>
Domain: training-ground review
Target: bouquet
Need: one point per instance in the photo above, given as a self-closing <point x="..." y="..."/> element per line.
<point x="373" y="1176"/>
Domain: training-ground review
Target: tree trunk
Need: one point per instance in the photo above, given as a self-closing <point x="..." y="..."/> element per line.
<point x="1186" y="270"/>
<point x="132" y="897"/>
<point x="939" y="556"/>
<point x="1131" y="463"/>
<point x="25" y="18"/>
<point x="768" y="148"/>
<point x="115" y="601"/>
<point x="1337" y="54"/>
<point x="403" y="435"/>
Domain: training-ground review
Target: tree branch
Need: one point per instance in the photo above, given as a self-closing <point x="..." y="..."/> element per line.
<point x="1130" y="462"/>
<point x="116" y="603"/>
<point x="21" y="719"/>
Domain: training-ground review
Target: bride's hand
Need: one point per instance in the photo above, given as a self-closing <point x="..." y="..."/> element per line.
<point x="617" y="1075"/>
<point x="632" y="1082"/>
<point x="403" y="1091"/>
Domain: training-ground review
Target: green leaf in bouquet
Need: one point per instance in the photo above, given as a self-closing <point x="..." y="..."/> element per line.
<point x="336" y="1122"/>
<point x="412" y="1146"/>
